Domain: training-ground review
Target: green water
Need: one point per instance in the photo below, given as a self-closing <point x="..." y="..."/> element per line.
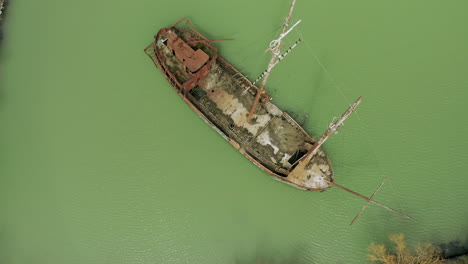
<point x="101" y="161"/>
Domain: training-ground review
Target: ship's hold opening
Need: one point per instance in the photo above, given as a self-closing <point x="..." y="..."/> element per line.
<point x="197" y="92"/>
<point x="297" y="155"/>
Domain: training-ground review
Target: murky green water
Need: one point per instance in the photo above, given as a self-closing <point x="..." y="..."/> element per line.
<point x="101" y="162"/>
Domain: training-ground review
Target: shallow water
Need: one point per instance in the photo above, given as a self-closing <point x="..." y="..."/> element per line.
<point x="101" y="161"/>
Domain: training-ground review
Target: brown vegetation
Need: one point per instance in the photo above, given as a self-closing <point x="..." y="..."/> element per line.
<point x="422" y="254"/>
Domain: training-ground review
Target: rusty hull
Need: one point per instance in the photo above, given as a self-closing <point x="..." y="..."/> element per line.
<point x="222" y="97"/>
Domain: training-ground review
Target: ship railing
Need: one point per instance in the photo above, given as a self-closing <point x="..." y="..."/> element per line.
<point x="150" y="51"/>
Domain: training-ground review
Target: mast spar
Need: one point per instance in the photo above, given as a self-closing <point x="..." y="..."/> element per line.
<point x="332" y="128"/>
<point x="275" y="50"/>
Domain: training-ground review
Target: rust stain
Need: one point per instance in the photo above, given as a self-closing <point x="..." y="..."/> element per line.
<point x="221" y="96"/>
<point x="215" y="90"/>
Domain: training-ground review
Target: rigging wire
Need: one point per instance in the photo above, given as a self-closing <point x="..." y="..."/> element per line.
<point x="335" y="84"/>
<point x="366" y="135"/>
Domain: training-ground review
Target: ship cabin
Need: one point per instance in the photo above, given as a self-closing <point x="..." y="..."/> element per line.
<point x="196" y="62"/>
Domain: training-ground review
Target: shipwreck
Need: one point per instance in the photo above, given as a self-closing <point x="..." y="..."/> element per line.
<point x="242" y="112"/>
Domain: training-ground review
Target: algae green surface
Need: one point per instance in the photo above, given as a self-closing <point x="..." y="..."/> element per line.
<point x="101" y="161"/>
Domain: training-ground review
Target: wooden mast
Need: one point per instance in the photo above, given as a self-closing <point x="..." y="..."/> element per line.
<point x="367" y="203"/>
<point x="332" y="128"/>
<point x="370" y="200"/>
<point x="275" y="49"/>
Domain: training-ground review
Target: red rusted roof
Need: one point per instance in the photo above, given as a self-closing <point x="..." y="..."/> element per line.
<point x="192" y="59"/>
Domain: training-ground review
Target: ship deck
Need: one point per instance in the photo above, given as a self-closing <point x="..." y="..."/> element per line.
<point x="272" y="139"/>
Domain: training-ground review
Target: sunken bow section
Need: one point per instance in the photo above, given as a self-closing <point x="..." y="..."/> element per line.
<point x="223" y="96"/>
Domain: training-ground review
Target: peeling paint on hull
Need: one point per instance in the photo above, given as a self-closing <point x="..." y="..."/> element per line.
<point x="272" y="140"/>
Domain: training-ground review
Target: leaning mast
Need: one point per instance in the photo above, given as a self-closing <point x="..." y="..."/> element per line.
<point x="275" y="50"/>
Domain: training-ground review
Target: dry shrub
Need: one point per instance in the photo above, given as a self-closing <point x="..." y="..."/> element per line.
<point x="422" y="254"/>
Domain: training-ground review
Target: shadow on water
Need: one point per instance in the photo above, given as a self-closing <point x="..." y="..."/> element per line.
<point x="268" y="254"/>
<point x="454" y="249"/>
